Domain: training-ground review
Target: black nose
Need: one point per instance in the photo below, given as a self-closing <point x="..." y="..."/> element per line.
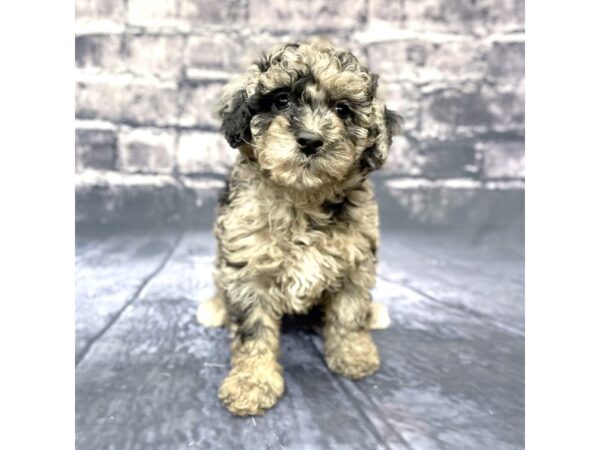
<point x="309" y="142"/>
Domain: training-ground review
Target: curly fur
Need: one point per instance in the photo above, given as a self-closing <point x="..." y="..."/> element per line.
<point x="296" y="230"/>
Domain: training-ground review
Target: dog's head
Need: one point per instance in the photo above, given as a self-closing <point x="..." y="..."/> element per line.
<point x="309" y="115"/>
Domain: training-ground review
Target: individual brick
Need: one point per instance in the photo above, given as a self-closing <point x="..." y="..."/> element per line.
<point x="470" y="108"/>
<point x="297" y="15"/>
<point x="114" y="10"/>
<point x="100" y="53"/>
<point x="207" y="12"/>
<point x="448" y="158"/>
<point x="503" y="158"/>
<point x="403" y="98"/>
<point x="404" y="158"/>
<point x="506" y="106"/>
<point x="506" y="62"/>
<point x="422" y="60"/>
<point x="217" y="51"/>
<point x="458" y="16"/>
<point x="156" y="55"/>
<point x="199" y="104"/>
<point x="456" y="110"/>
<point x="127" y="102"/>
<point x="95" y="149"/>
<point x="201" y="153"/>
<point x="386" y="10"/>
<point x="152" y="12"/>
<point x="146" y="150"/>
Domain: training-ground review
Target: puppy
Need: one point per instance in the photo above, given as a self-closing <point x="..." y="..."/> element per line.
<point x="297" y="225"/>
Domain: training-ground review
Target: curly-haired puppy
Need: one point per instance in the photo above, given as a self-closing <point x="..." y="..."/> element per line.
<point x="298" y="226"/>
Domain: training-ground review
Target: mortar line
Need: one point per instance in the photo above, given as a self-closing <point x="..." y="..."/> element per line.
<point x="134" y="297"/>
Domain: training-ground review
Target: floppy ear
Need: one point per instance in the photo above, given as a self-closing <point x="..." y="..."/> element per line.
<point x="236" y="116"/>
<point x="387" y="124"/>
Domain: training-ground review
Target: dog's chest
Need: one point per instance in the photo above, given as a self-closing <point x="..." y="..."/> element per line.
<point x="303" y="261"/>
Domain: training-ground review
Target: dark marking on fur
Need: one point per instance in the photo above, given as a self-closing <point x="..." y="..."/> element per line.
<point x="263" y="63"/>
<point x="236" y="121"/>
<point x="249" y="330"/>
<point x="338" y="210"/>
<point x="374" y="85"/>
<point x="393" y="122"/>
<point x="239" y="314"/>
<point x="370" y="159"/>
<point x="298" y="87"/>
<point x="235" y="265"/>
<point x="224" y="199"/>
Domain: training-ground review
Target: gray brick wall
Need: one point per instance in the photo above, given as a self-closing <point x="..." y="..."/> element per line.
<point x="149" y="72"/>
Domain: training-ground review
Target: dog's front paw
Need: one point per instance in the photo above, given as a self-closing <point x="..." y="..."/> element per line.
<point x="355" y="356"/>
<point x="250" y="389"/>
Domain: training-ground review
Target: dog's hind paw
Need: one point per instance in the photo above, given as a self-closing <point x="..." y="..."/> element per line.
<point x="212" y="313"/>
<point x="380" y="317"/>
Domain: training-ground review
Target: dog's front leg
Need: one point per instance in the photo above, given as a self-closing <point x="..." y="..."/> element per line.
<point x="349" y="346"/>
<point x="255" y="381"/>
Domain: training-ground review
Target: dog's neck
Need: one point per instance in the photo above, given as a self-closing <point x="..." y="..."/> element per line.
<point x="311" y="199"/>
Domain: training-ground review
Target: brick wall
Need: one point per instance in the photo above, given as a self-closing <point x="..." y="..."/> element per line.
<point x="149" y="72"/>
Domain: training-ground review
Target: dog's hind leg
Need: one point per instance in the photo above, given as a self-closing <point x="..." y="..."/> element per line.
<point x="212" y="313"/>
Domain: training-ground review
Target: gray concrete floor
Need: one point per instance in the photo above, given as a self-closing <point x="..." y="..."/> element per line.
<point x="452" y="373"/>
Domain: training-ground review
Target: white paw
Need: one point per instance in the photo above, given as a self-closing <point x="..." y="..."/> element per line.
<point x="212" y="313"/>
<point x="380" y="317"/>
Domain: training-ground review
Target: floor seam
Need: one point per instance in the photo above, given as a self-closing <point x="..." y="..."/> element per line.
<point x="86" y="349"/>
<point x="353" y="401"/>
<point x="383" y="418"/>
<point x="481" y="317"/>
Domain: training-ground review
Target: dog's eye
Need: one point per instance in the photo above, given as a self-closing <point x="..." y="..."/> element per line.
<point x="342" y="110"/>
<point x="281" y="101"/>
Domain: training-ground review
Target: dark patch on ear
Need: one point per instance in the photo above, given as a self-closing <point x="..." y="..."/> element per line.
<point x="263" y="63"/>
<point x="236" y="122"/>
<point x="393" y="122"/>
<point x="370" y="159"/>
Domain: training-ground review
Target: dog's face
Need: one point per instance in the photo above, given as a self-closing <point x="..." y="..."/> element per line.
<point x="309" y="116"/>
